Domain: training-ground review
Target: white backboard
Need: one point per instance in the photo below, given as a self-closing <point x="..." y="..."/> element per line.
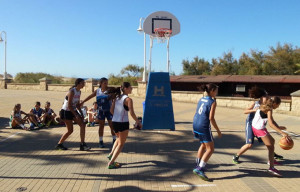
<point x="161" y="19"/>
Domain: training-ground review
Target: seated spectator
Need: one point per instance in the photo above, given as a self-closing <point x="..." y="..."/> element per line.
<point x="35" y="116"/>
<point x="93" y="115"/>
<point x="50" y="117"/>
<point x="16" y="119"/>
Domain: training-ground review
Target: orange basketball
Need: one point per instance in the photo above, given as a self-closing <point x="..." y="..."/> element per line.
<point x="284" y="144"/>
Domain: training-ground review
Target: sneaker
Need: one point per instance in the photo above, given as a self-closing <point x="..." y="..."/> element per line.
<point x="101" y="144"/>
<point x="275" y="162"/>
<point x="109" y="157"/>
<point x="274" y="172"/>
<point x="40" y="125"/>
<point x="60" y="147"/>
<point x="93" y="124"/>
<point x="279" y="157"/>
<point x="48" y="124"/>
<point x="88" y="124"/>
<point x="84" y="147"/>
<point x="235" y="159"/>
<point x="115" y="165"/>
<point x="199" y="172"/>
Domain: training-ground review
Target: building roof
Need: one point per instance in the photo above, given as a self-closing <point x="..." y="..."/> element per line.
<point x="237" y="78"/>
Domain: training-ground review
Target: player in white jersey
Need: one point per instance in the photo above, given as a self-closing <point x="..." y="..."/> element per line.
<point x="68" y="114"/>
<point x="255" y="93"/>
<point x="104" y="103"/>
<point x="120" y="107"/>
<point x="261" y="117"/>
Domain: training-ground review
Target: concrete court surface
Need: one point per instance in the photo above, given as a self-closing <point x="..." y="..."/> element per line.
<point x="151" y="160"/>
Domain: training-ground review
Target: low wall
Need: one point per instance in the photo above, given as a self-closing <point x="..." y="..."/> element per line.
<point x="295" y="108"/>
<point x="232" y="102"/>
<point x="291" y="106"/>
<point x="59" y="87"/>
<point x="23" y="86"/>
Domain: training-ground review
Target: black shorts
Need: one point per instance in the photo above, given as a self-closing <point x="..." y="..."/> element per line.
<point x="66" y="115"/>
<point x="120" y="126"/>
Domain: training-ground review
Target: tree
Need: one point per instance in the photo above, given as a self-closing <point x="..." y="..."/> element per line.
<point x="251" y="65"/>
<point x="280" y="60"/>
<point x="296" y="57"/>
<point x="132" y="70"/>
<point x="225" y="65"/>
<point x="196" y="67"/>
<point x="118" y="80"/>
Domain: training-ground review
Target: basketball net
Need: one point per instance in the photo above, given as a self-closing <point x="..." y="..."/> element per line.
<point x="162" y="34"/>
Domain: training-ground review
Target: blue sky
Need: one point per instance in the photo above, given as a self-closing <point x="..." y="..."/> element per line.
<point x="94" y="38"/>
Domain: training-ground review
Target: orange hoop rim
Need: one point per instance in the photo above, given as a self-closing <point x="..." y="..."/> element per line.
<point x="163" y="32"/>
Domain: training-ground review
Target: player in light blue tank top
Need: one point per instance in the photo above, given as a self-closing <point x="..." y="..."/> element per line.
<point x="203" y="119"/>
<point x="104" y="103"/>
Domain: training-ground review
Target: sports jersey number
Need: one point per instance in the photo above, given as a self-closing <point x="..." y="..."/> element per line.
<point x="200" y="109"/>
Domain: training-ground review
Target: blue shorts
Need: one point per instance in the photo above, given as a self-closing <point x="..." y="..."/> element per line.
<point x="249" y="132"/>
<point x="104" y="114"/>
<point x="204" y="137"/>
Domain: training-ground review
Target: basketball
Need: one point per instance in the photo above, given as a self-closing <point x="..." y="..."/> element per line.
<point x="284" y="144"/>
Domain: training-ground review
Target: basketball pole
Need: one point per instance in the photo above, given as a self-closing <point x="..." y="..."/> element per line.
<point x="5" y="74"/>
<point x="150" y="54"/>
<point x="144" y="73"/>
<point x="168" y="61"/>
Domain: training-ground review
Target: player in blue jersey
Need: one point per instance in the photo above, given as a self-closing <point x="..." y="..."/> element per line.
<point x="203" y="119"/>
<point x="104" y="103"/>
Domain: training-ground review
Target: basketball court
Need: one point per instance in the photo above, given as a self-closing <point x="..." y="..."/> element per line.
<point x="151" y="160"/>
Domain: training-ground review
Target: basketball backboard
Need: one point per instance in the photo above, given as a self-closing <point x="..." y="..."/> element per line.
<point x="161" y="19"/>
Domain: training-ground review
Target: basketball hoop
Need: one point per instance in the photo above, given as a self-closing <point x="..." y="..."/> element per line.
<point x="162" y="34"/>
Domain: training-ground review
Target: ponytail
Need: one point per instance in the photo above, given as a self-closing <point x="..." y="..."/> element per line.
<point x="276" y="100"/>
<point x="208" y="87"/>
<point x="267" y="106"/>
<point x="117" y="92"/>
<point x="113" y="92"/>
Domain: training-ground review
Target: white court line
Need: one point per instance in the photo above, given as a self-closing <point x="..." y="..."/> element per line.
<point x="10" y="136"/>
<point x="204" y="185"/>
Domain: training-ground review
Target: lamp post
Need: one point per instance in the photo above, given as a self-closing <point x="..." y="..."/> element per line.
<point x="140" y="29"/>
<point x="4" y="76"/>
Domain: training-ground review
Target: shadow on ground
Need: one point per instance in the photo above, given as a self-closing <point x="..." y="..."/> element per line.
<point x="4" y="122"/>
<point x="176" y="148"/>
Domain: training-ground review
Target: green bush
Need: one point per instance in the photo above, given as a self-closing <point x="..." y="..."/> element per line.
<point x="35" y="77"/>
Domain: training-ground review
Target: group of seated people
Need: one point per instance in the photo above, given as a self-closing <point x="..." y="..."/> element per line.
<point x="36" y="118"/>
<point x="44" y="117"/>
